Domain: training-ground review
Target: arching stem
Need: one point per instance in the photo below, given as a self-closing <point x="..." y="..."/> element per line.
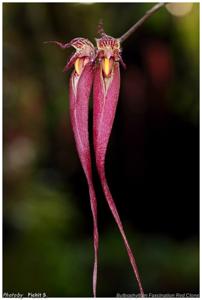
<point x="148" y="14"/>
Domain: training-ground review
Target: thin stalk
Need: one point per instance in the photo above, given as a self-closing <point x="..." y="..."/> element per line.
<point x="148" y="14"/>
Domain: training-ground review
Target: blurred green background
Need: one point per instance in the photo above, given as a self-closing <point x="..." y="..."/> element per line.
<point x="152" y="160"/>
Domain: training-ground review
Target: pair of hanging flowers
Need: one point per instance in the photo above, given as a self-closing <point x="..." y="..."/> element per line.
<point x="98" y="68"/>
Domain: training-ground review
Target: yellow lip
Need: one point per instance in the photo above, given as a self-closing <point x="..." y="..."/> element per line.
<point x="78" y="66"/>
<point x="107" y="64"/>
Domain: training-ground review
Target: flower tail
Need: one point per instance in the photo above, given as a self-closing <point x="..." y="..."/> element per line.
<point x="95" y="236"/>
<point x="80" y="86"/>
<point x="116" y="216"/>
<point x="106" y="93"/>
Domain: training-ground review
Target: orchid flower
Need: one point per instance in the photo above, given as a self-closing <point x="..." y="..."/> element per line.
<point x="79" y="91"/>
<point x="102" y="66"/>
<point x="80" y="87"/>
<point x="98" y="67"/>
<point x="106" y="93"/>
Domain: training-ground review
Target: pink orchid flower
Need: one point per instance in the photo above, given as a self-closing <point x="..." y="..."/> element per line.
<point x="100" y="64"/>
<point x="106" y="93"/>
<point x="79" y="92"/>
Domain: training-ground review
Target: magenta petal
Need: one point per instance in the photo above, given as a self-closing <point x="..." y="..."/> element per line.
<point x="106" y="93"/>
<point x="105" y="103"/>
<point x="80" y="88"/>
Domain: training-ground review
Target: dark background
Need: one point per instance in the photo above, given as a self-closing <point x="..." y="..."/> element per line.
<point x="152" y="161"/>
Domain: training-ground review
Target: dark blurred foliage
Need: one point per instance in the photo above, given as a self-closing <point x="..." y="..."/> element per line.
<point x="152" y="161"/>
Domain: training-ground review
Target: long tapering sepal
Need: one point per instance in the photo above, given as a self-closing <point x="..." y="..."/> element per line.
<point x="106" y="93"/>
<point x="80" y="87"/>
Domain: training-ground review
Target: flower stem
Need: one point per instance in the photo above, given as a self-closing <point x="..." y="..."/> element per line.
<point x="148" y="14"/>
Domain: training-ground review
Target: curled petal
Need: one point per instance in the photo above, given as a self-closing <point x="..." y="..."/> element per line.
<point x="59" y="44"/>
<point x="70" y="62"/>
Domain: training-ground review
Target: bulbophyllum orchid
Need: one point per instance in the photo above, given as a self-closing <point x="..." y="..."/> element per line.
<point x="98" y="66"/>
<point x="79" y="91"/>
<point x="105" y="98"/>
